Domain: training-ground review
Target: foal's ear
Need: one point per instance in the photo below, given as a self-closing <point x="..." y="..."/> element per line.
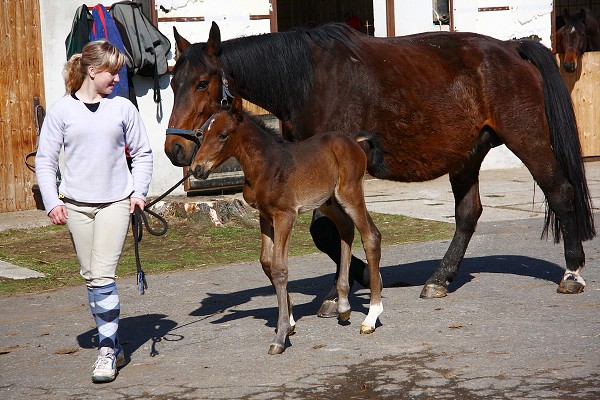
<point x="213" y="44"/>
<point x="180" y="41"/>
<point x="237" y="108"/>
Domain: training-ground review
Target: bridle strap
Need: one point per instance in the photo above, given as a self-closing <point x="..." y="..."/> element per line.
<point x="205" y="125"/>
<point x="181" y="132"/>
<point x="197" y="134"/>
<point x="226" y="96"/>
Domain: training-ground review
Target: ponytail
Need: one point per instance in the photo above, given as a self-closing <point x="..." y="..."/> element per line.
<point x="74" y="74"/>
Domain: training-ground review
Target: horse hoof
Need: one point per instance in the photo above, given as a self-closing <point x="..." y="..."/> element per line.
<point x="365" y="329"/>
<point x="345" y="316"/>
<point x="570" y="287"/>
<point x="433" y="291"/>
<point x="276" y="349"/>
<point x="292" y="330"/>
<point x="328" y="309"/>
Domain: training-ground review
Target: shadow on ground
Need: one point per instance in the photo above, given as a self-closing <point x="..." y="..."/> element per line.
<point x="411" y="274"/>
<point x="134" y="332"/>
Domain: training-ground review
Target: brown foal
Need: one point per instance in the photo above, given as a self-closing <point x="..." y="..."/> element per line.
<point x="283" y="179"/>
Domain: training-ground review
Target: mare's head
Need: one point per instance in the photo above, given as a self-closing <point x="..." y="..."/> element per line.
<point x="571" y="38"/>
<point x="199" y="91"/>
<point x="218" y="140"/>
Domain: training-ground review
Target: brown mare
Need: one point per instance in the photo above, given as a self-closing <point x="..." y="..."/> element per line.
<point x="580" y="33"/>
<point x="283" y="179"/>
<point x="438" y="103"/>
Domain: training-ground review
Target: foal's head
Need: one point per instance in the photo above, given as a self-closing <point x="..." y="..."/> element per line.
<point x="198" y="90"/>
<point x="219" y="140"/>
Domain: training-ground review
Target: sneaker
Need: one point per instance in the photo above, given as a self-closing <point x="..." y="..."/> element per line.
<point x="105" y="367"/>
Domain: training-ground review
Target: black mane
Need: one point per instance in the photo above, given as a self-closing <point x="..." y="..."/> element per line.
<point x="279" y="65"/>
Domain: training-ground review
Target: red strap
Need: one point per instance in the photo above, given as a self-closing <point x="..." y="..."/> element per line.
<point x="98" y="8"/>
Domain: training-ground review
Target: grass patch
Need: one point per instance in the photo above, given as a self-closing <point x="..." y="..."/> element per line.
<point x="189" y="244"/>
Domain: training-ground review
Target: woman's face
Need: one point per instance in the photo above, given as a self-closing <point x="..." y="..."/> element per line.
<point x="104" y="81"/>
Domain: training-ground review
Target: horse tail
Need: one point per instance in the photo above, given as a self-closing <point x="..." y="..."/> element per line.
<point x="564" y="138"/>
<point x="375" y="161"/>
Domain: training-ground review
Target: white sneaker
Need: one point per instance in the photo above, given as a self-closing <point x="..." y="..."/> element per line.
<point x="105" y="367"/>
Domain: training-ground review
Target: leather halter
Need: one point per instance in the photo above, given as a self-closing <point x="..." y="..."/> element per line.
<point x="197" y="134"/>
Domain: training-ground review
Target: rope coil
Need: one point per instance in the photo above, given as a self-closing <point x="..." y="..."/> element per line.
<point x="139" y="218"/>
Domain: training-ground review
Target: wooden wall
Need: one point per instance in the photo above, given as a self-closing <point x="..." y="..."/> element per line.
<point x="584" y="85"/>
<point x="21" y="81"/>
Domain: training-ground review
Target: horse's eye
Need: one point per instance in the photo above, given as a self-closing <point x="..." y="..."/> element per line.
<point x="202" y="85"/>
<point x="223" y="135"/>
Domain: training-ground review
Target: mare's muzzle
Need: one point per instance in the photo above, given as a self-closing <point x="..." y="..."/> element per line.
<point x="193" y="135"/>
<point x="176" y="156"/>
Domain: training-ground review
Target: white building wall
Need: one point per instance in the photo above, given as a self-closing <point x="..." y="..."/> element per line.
<point x="233" y="17"/>
<point x="412" y="17"/>
<point x="379" y="18"/>
<point x="523" y="18"/>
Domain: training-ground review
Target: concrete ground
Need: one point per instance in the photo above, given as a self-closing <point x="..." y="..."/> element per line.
<point x="502" y="333"/>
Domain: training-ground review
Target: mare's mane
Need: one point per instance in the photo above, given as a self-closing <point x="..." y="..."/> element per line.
<point x="279" y="62"/>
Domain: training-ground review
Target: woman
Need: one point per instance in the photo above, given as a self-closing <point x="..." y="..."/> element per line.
<point x="98" y="191"/>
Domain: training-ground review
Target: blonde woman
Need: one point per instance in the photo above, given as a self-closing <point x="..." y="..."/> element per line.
<point x="98" y="191"/>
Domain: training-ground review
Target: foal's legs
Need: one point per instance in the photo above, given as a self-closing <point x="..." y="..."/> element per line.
<point x="350" y="195"/>
<point x="278" y="277"/>
<point x="345" y="227"/>
<point x="465" y="187"/>
<point x="327" y="239"/>
<point x="371" y="239"/>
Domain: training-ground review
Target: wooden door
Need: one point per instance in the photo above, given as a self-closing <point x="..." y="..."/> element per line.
<point x="21" y="83"/>
<point x="584" y="86"/>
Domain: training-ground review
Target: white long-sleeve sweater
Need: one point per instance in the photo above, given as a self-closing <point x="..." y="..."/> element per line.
<point x="95" y="168"/>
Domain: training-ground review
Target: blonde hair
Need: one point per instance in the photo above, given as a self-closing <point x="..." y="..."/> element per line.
<point x="100" y="54"/>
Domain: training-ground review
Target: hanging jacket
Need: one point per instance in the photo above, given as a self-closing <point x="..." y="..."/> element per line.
<point x="79" y="35"/>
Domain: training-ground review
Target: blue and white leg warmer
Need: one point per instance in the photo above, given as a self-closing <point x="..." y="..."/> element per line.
<point x="105" y="306"/>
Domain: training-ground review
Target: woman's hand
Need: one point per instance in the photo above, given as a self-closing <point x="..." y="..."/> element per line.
<point x="134" y="201"/>
<point x="58" y="215"/>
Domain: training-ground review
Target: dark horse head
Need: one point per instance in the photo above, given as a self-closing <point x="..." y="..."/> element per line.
<point x="580" y="33"/>
<point x="199" y="91"/>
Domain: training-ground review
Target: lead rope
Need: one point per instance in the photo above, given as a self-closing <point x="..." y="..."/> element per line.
<point x="138" y="219"/>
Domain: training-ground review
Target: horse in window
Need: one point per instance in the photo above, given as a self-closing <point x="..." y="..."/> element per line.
<point x="580" y="33"/>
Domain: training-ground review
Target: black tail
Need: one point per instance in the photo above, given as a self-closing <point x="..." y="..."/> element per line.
<point x="564" y="138"/>
<point x="375" y="162"/>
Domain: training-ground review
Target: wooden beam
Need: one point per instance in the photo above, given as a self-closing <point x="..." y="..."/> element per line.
<point x="202" y="18"/>
<point x="390" y="18"/>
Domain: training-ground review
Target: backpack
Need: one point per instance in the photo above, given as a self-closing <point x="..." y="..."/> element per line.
<point x="148" y="47"/>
